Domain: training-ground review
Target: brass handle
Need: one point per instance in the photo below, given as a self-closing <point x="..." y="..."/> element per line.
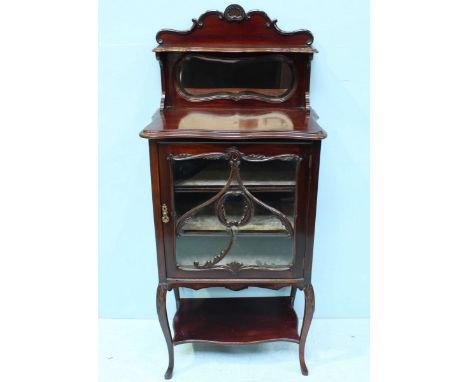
<point x="165" y="216"/>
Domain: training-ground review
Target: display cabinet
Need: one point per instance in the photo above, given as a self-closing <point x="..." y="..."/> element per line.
<point x="234" y="154"/>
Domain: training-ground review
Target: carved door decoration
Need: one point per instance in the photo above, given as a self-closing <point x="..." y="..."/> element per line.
<point x="234" y="211"/>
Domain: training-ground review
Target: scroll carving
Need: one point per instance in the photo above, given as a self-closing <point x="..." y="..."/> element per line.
<point x="234" y="157"/>
<point x="236" y="267"/>
<point x="219" y="256"/>
<point x="235" y="14"/>
<point x="233" y="154"/>
<point x="189" y="214"/>
<point x="263" y="158"/>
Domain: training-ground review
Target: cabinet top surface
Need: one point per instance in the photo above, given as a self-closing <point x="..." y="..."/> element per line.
<point x="234" y="123"/>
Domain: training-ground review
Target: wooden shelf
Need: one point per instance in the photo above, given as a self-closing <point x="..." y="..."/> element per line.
<point x="235" y="49"/>
<point x="253" y="189"/>
<point x="259" y="224"/>
<point x="265" y="175"/>
<point x="235" y="320"/>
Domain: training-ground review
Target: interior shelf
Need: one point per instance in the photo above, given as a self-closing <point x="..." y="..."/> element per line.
<point x="273" y="251"/>
<point x="235" y="320"/>
<point x="252" y="188"/>
<point x="259" y="224"/>
<point x="216" y="173"/>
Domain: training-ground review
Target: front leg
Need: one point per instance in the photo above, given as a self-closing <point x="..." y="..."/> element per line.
<point x="309" y="309"/>
<point x="162" y="315"/>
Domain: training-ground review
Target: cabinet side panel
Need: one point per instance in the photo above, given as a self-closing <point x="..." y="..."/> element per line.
<point x="314" y="163"/>
<point x="155" y="185"/>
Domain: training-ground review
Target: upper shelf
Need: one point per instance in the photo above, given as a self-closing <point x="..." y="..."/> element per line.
<point x="235" y="31"/>
<point x="234" y="123"/>
<point x="235" y="49"/>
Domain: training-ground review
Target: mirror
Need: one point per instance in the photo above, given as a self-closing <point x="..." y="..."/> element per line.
<point x="268" y="78"/>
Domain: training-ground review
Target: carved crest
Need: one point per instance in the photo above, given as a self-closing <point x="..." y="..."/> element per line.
<point x="234" y="12"/>
<point x="234" y="26"/>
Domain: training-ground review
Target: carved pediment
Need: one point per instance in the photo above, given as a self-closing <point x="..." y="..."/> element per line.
<point x="234" y="27"/>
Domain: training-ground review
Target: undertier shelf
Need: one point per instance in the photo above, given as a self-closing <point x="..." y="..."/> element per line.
<point x="235" y="320"/>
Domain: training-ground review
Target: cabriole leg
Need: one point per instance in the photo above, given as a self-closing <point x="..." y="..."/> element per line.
<point x="162" y="315"/>
<point x="309" y="309"/>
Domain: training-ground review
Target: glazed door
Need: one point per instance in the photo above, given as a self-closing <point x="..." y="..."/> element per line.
<point x="233" y="210"/>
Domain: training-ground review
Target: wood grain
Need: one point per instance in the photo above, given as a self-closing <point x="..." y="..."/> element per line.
<point x="235" y="320"/>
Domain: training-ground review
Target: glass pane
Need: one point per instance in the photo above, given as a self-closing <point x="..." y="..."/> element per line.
<point x="214" y="173"/>
<point x="269" y="76"/>
<point x="234" y="212"/>
<point x="205" y="220"/>
<point x="275" y="252"/>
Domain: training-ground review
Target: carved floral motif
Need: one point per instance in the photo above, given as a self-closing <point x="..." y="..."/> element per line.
<point x="221" y="255"/>
<point x="234" y="12"/>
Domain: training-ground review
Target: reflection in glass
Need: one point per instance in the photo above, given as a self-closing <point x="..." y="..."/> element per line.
<point x="274" y="121"/>
<point x="269" y="77"/>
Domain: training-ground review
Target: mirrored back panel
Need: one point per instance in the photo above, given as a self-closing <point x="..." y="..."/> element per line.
<point x="270" y="78"/>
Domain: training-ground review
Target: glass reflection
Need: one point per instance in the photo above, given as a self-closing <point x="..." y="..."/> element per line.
<point x="269" y="77"/>
<point x="274" y="121"/>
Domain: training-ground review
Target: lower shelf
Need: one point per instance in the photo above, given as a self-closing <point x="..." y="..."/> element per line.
<point x="235" y="320"/>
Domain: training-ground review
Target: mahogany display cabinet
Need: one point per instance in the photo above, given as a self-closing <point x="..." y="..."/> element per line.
<point x="234" y="154"/>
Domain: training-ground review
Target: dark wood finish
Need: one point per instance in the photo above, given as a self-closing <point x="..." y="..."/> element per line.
<point x="173" y="97"/>
<point x="293" y="294"/>
<point x="162" y="315"/>
<point x="233" y="321"/>
<point x="237" y="129"/>
<point x="177" y="297"/>
<point x="219" y="29"/>
<point x="168" y="124"/>
<point x="235" y="284"/>
<point x="157" y="209"/>
<point x="218" y="35"/>
<point x="309" y="309"/>
<point x="215" y="150"/>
